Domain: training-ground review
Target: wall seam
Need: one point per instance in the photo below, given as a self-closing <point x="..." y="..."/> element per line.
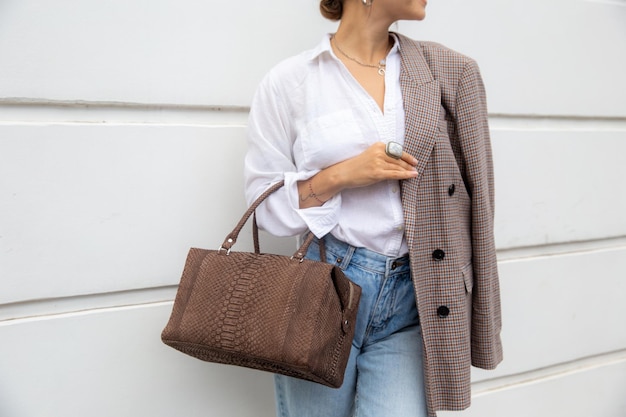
<point x="547" y="373"/>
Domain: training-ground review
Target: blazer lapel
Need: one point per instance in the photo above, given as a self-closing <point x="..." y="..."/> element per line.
<point x="422" y="103"/>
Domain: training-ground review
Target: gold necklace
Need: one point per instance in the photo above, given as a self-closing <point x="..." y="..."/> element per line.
<point x="382" y="64"/>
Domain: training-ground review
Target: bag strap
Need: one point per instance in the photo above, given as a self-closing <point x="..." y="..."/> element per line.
<point x="231" y="238"/>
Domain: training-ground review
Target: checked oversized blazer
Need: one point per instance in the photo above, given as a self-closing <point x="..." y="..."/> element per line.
<point x="449" y="215"/>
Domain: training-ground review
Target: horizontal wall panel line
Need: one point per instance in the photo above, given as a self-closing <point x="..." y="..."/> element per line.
<point x="85" y="312"/>
<point x="28" y="110"/>
<point x="26" y="102"/>
<point x="560" y="370"/>
<point x="220" y="121"/>
<point x="564" y="248"/>
<point x="76" y="104"/>
<point x="12" y="313"/>
<point x="527" y="122"/>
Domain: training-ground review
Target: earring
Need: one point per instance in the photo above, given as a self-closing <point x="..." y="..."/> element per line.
<point x="367" y="3"/>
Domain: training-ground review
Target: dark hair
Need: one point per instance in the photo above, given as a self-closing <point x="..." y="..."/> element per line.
<point x="331" y="9"/>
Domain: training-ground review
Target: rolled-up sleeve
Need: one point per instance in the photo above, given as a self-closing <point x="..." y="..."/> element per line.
<point x="269" y="159"/>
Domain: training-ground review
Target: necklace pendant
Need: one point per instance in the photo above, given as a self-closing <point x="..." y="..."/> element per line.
<point x="381" y="68"/>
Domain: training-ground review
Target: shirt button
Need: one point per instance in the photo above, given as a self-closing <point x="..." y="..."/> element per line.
<point x="394" y="190"/>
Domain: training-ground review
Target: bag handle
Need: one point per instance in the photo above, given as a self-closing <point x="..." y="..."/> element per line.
<point x="231" y="238"/>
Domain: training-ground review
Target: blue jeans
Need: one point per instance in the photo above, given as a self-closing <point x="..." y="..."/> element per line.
<point x="384" y="376"/>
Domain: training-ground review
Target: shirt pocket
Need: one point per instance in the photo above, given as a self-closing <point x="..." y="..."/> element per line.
<point x="331" y="138"/>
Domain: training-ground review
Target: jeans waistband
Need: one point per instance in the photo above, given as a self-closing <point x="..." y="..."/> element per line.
<point x="346" y="253"/>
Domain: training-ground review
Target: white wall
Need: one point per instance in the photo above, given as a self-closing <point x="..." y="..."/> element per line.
<point x="122" y="131"/>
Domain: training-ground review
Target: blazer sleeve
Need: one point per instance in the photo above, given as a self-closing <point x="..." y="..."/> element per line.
<point x="474" y="140"/>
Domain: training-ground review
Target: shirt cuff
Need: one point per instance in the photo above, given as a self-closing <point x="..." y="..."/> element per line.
<point x="320" y="220"/>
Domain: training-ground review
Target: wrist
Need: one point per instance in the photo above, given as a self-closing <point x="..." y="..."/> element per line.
<point x="337" y="177"/>
<point x="312" y="193"/>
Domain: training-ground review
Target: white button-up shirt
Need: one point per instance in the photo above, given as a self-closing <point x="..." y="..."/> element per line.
<point x="309" y="113"/>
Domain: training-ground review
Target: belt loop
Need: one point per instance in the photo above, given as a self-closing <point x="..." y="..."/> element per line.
<point x="342" y="250"/>
<point x="347" y="256"/>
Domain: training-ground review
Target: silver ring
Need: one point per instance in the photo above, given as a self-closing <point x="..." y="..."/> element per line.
<point x="393" y="150"/>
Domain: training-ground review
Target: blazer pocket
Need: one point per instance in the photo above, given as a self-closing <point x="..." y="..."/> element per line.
<point x="468" y="277"/>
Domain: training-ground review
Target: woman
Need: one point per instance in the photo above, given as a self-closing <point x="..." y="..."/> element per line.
<point x="384" y="147"/>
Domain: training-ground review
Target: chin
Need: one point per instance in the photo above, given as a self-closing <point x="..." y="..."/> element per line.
<point x="419" y="16"/>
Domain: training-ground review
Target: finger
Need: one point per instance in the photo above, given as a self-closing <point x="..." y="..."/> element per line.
<point x="408" y="162"/>
<point x="409" y="159"/>
<point x="400" y="174"/>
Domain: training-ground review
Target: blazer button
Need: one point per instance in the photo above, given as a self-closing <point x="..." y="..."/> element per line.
<point x="438" y="255"/>
<point x="443" y="311"/>
<point x="451" y="190"/>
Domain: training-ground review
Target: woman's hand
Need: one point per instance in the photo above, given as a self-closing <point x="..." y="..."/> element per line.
<point x="371" y="166"/>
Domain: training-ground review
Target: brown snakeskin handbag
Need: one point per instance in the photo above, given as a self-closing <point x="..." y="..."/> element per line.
<point x="281" y="314"/>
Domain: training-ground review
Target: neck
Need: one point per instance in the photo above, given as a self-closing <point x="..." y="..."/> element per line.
<point x="362" y="34"/>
